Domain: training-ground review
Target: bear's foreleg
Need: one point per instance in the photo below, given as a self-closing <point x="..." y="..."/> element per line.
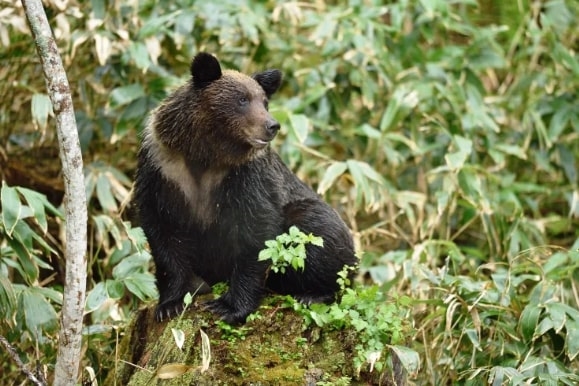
<point x="172" y="302"/>
<point x="175" y="278"/>
<point x="246" y="289"/>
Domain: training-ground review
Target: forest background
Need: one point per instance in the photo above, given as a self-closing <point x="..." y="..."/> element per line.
<point x="446" y="133"/>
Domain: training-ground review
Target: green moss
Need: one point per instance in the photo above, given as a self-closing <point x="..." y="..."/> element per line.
<point x="271" y="349"/>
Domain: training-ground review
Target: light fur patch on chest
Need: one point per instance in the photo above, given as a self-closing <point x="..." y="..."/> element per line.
<point x="197" y="192"/>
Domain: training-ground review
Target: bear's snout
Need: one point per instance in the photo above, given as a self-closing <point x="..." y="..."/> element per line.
<point x="272" y="127"/>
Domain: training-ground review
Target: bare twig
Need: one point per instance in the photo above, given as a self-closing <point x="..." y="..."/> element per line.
<point x="14" y="355"/>
<point x="70" y="338"/>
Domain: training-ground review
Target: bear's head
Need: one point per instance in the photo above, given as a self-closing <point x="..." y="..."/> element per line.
<point x="234" y="106"/>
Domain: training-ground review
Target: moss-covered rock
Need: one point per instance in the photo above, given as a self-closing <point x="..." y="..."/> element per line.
<point x="274" y="347"/>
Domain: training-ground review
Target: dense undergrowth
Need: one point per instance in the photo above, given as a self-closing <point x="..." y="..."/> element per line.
<point x="446" y="133"/>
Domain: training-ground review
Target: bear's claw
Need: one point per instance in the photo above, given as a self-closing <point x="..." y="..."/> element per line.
<point x="168" y="310"/>
<point x="227" y="313"/>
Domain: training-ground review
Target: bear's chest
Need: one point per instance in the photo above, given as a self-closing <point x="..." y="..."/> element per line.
<point x="196" y="199"/>
<point x="203" y="196"/>
<point x="229" y="199"/>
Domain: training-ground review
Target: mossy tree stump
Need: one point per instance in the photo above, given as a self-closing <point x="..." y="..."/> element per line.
<point x="273" y="348"/>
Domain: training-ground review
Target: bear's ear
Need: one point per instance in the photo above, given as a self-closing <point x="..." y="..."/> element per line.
<point x="205" y="69"/>
<point x="269" y="80"/>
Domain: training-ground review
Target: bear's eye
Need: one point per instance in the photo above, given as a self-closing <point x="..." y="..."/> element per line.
<point x="266" y="104"/>
<point x="243" y="101"/>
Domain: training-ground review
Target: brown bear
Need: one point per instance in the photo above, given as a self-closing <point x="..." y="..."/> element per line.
<point x="209" y="192"/>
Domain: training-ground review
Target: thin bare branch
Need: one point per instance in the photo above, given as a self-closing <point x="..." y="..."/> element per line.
<point x="14" y="355"/>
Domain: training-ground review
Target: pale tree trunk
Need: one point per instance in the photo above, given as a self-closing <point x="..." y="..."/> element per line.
<point x="70" y="338"/>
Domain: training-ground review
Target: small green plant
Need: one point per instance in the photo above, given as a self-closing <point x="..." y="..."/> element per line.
<point x="289" y="249"/>
<point x="219" y="288"/>
<point x="301" y="341"/>
<point x="380" y="323"/>
<point x="232" y="333"/>
<point x="178" y="333"/>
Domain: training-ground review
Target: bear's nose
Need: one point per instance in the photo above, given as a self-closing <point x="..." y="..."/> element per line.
<point x="272" y="126"/>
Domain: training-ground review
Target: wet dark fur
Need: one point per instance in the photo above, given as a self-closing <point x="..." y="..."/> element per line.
<point x="209" y="193"/>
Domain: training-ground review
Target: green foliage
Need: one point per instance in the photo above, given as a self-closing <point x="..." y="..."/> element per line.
<point x="119" y="264"/>
<point x="289" y="249"/>
<point x="342" y="381"/>
<point x="231" y="333"/>
<point x="506" y="323"/>
<point x="25" y="302"/>
<point x="380" y="323"/>
<point x="30" y="302"/>
<point x="445" y="132"/>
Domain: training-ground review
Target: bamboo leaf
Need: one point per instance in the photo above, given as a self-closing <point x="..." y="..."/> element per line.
<point x="335" y="170"/>
<point x="300" y="126"/>
<point x="572" y="339"/>
<point x="529" y="321"/>
<point x="41" y="107"/>
<point x="172" y="370"/>
<point x="409" y="358"/>
<point x="11" y="208"/>
<point x="37" y="202"/>
<point x="126" y="94"/>
<point x="179" y="337"/>
<point x="96" y="297"/>
<point x="104" y="194"/>
<point x="37" y="313"/>
<point x="205" y="351"/>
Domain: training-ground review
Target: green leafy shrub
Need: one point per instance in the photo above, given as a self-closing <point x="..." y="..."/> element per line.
<point x="507" y="322"/>
<point x="380" y="323"/>
<point x="28" y="305"/>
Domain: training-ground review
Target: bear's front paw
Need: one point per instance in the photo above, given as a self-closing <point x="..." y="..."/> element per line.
<point x="168" y="310"/>
<point x="225" y="311"/>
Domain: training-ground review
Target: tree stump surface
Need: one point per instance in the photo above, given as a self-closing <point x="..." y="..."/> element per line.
<point x="274" y="348"/>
